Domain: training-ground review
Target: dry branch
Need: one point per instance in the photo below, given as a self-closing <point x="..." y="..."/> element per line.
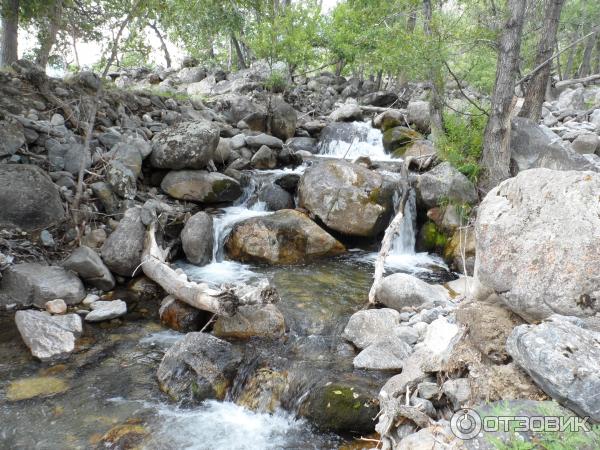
<point x="590" y="79"/>
<point x="224" y="300"/>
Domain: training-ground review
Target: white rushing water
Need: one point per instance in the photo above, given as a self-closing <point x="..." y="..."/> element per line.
<point x="364" y="141"/>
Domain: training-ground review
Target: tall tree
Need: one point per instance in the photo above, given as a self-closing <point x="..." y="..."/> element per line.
<point x="10" y="32"/>
<point x="436" y="104"/>
<point x="496" y="140"/>
<point x="48" y="29"/>
<point x="536" y="87"/>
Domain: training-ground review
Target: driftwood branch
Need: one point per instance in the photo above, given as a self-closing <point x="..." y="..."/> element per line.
<point x="381" y="109"/>
<point x="391" y="232"/>
<point x="590" y="79"/>
<point x="223" y="301"/>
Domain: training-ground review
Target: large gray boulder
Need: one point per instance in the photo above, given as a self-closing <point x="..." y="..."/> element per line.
<point x="369" y="326"/>
<point x="404" y="292"/>
<point x="198" y="367"/>
<point x="419" y="115"/>
<point x="283" y="121"/>
<point x="533" y="147"/>
<point x="122" y="250"/>
<point x="34" y="284"/>
<point x="445" y="183"/>
<point x="201" y="186"/>
<point x="348" y="112"/>
<point x="89" y="266"/>
<point x="48" y="337"/>
<point x="197" y="238"/>
<point x="385" y="354"/>
<point x="28" y="198"/>
<point x="186" y="145"/>
<point x="263" y="321"/>
<point x="346" y="197"/>
<point x="537" y="243"/>
<point x="563" y="359"/>
<point x="12" y="137"/>
<point x="284" y="237"/>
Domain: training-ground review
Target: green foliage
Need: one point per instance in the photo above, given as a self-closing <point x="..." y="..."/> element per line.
<point x="276" y="82"/>
<point x="462" y="144"/>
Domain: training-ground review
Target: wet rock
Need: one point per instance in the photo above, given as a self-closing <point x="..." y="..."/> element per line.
<point x="34" y="284"/>
<point x="289" y="182"/>
<point x="302" y="143"/>
<point x="397" y="140"/>
<point x="563" y="359"/>
<point x="57" y="306"/>
<point x="369" y="326"/>
<point x="180" y="316"/>
<point x="12" y="137"/>
<point x="533" y="147"/>
<point x="35" y="387"/>
<point x="379" y="98"/>
<point x="346" y="113"/>
<point x="445" y="183"/>
<point x="386" y="354"/>
<point x="122" y="250"/>
<point x="537" y="243"/>
<point x="128" y="435"/>
<point x="457" y="391"/>
<point x="346" y="197"/>
<point x="201" y="186"/>
<point x="284" y="237"/>
<point x="404" y="292"/>
<point x="106" y="310"/>
<point x="48" y="337"/>
<point x="263" y="321"/>
<point x="263" y="140"/>
<point x="341" y="407"/>
<point x="389" y="119"/>
<point x="460" y="249"/>
<point x="197" y="238"/>
<point x="187" y="145"/>
<point x="89" y="266"/>
<point x="198" y="367"/>
<point x="264" y="158"/>
<point x="263" y="390"/>
<point x="275" y="197"/>
<point x="283" y="121"/>
<point x="419" y="116"/>
<point x="38" y="199"/>
<point x="582" y="439"/>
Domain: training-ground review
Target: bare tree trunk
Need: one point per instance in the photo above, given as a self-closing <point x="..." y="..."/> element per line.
<point x="163" y="45"/>
<point x="238" y="51"/>
<point x="379" y="78"/>
<point x="586" y="63"/>
<point x="597" y="63"/>
<point x="411" y="23"/>
<point x="47" y="36"/>
<point x="75" y="52"/>
<point x="10" y="32"/>
<point x="536" y="87"/>
<point x="558" y="65"/>
<point x="115" y="45"/>
<point x="496" y="151"/>
<point x="436" y="103"/>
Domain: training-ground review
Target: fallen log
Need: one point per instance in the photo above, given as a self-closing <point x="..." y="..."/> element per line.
<point x="381" y="109"/>
<point x="223" y="301"/>
<point x="585" y="80"/>
<point x="391" y="231"/>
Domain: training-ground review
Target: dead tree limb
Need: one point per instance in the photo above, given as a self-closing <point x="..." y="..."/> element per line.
<point x="590" y="79"/>
<point x="391" y="232"/>
<point x="223" y="301"/>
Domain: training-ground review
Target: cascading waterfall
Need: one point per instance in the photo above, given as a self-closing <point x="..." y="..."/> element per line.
<point x="352" y="140"/>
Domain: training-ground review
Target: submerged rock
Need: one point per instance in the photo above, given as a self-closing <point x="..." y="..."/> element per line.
<point x="197" y="238"/>
<point x="48" y="337"/>
<point x="33" y="387"/>
<point x="284" y="237"/>
<point x="563" y="359"/>
<point x="201" y="186"/>
<point x="265" y="321"/>
<point x="187" y="145"/>
<point x="34" y="284"/>
<point x="346" y="197"/>
<point x="28" y="198"/>
<point x="404" y="292"/>
<point x="537" y="243"/>
<point x="198" y="367"/>
<point x="106" y="310"/>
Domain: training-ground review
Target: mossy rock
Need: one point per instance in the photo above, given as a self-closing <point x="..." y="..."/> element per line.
<point x="27" y="388"/>
<point x="341" y="408"/>
<point x="398" y="139"/>
<point x="128" y="435"/>
<point x="431" y="238"/>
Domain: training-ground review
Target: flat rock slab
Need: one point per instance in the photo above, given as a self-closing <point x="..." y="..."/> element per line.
<point x="369" y="326"/>
<point x="563" y="359"/>
<point x="102" y="310"/>
<point x="48" y="337"/>
<point x="387" y="354"/>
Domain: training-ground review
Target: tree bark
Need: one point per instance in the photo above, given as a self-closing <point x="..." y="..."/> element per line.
<point x="496" y="151"/>
<point x="47" y="36"/>
<point x="586" y="63"/>
<point x="163" y="44"/>
<point x="597" y="64"/>
<point x="115" y="45"/>
<point x="536" y="87"/>
<point x="10" y="32"/>
<point x="436" y="103"/>
<point x="238" y="51"/>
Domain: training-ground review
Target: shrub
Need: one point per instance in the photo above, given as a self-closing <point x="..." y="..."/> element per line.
<point x="276" y="82"/>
